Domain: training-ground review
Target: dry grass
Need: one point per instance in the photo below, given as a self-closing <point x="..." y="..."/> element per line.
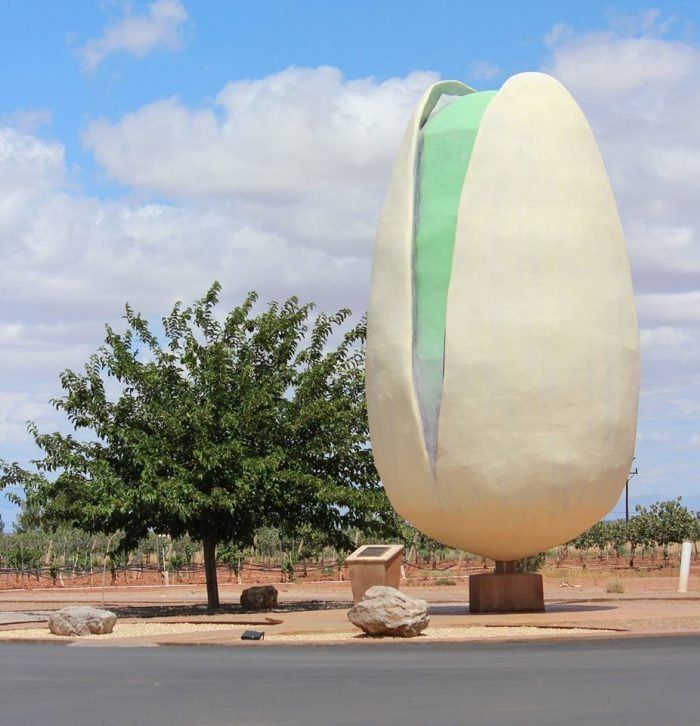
<point x="615" y="586"/>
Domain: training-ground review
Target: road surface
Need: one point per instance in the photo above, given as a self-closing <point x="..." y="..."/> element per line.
<point x="645" y="681"/>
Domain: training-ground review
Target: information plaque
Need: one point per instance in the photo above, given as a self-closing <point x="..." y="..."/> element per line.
<point x="374" y="565"/>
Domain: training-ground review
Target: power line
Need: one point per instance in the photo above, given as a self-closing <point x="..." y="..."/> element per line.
<point x="627" y="492"/>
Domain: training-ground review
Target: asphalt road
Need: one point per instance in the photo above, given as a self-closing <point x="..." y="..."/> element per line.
<point x="654" y="681"/>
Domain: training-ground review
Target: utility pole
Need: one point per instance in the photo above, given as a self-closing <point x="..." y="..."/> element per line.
<point x="627" y="493"/>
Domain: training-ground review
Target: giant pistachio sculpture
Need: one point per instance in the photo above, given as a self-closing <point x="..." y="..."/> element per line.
<point x="502" y="345"/>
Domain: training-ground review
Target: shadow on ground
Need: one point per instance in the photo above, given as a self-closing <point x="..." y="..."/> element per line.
<point x="167" y="611"/>
<point x="576" y="607"/>
<point x="571" y="607"/>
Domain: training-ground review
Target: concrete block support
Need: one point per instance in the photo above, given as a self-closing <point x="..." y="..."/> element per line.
<point x="506" y="593"/>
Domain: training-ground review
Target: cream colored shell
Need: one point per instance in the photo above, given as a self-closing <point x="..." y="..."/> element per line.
<point x="539" y="405"/>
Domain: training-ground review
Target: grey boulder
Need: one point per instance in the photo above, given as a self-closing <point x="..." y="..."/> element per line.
<point x="82" y="621"/>
<point x="386" y="611"/>
<point x="263" y="597"/>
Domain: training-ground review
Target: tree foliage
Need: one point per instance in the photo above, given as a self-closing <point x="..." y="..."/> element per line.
<point x="213" y="428"/>
<point x="673" y="523"/>
<point x="659" y="525"/>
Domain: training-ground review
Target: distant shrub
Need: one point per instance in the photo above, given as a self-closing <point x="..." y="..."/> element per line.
<point x="445" y="581"/>
<point x="615" y="586"/>
<point x="531" y="564"/>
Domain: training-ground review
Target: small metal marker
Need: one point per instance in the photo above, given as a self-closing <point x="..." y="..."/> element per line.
<point x="253" y="635"/>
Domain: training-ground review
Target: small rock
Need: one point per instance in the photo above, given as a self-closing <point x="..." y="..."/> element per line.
<point x="386" y="611"/>
<point x="263" y="597"/>
<point x="82" y="621"/>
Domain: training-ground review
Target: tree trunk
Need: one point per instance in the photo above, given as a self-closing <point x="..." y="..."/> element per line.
<point x="209" y="546"/>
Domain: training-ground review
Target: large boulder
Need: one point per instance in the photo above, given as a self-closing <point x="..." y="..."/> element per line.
<point x="386" y="611"/>
<point x="82" y="621"/>
<point x="262" y="597"/>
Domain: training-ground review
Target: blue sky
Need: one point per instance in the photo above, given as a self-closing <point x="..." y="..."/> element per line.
<point x="148" y="147"/>
<point x="224" y="40"/>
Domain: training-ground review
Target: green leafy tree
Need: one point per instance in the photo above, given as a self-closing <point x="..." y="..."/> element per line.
<point x="617" y="535"/>
<point x="31" y="516"/>
<point x="674" y="523"/>
<point x="583" y="543"/>
<point x="268" y="543"/>
<point x="230" y="423"/>
<point x="534" y="563"/>
<point x="599" y="535"/>
<point x="695" y="530"/>
<point x="24" y="553"/>
<point x="310" y="543"/>
<point x="230" y="554"/>
<point x="418" y="546"/>
<point x="695" y="533"/>
<point x="640" y="531"/>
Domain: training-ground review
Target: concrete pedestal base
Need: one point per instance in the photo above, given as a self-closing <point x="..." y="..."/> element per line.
<point x="507" y="593"/>
<point x="374" y="565"/>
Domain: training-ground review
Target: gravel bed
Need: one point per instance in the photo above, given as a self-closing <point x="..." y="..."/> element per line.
<point x="145" y="628"/>
<point x="125" y="630"/>
<point x="464" y="633"/>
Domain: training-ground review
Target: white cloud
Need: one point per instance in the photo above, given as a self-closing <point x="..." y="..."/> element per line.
<point x="641" y="93"/>
<point x="671" y="357"/>
<point x="161" y="27"/>
<point x="295" y="220"/>
<point x="602" y="63"/>
<point x="276" y="224"/>
<point x="19" y="407"/>
<point x="650" y="23"/>
<point x="483" y="71"/>
<point x="559" y="34"/>
<point x="29" y="169"/>
<point x="27" y="120"/>
<point x="669" y="307"/>
<point x="304" y="154"/>
<point x="640" y="90"/>
<point x="664" y="338"/>
<point x="280" y="138"/>
<point x="695" y="441"/>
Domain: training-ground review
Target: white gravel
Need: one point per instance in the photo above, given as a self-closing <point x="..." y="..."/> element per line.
<point x="146" y="629"/>
<point x="124" y="630"/>
<point x="435" y="633"/>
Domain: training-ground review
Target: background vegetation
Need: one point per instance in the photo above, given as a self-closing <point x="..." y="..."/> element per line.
<point x="62" y="553"/>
